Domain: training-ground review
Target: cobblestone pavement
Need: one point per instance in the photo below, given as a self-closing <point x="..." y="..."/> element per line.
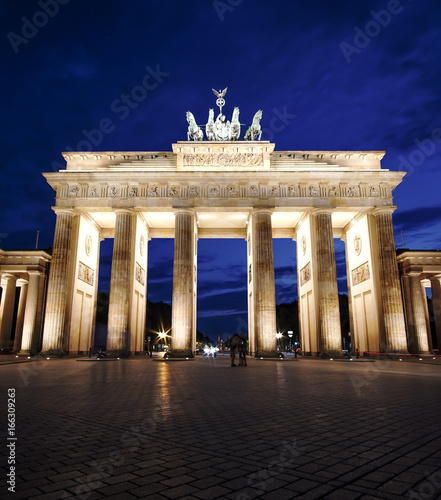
<point x="142" y="428"/>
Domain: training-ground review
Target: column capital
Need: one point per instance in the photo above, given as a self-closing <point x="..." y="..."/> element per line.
<point x="33" y="272"/>
<point x="66" y="211"/>
<point x="383" y="210"/>
<point x="128" y="211"/>
<point x="21" y="282"/>
<point x="324" y="210"/>
<point x="8" y="277"/>
<point x="413" y="274"/>
<point x="189" y="211"/>
<point x="268" y="210"/>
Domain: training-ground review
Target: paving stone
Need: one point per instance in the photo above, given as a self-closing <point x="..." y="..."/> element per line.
<point x="370" y="446"/>
<point x="177" y="480"/>
<point x="303" y="485"/>
<point x="148" y="490"/>
<point x="179" y="491"/>
<point x="343" y="495"/>
<point x="206" y="482"/>
<point x="213" y="492"/>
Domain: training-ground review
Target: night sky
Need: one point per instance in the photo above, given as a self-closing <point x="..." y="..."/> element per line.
<point x="345" y="75"/>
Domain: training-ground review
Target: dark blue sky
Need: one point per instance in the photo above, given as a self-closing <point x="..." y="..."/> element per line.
<point x="63" y="73"/>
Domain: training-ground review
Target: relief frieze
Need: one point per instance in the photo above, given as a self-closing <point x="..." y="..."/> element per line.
<point x="360" y="274"/>
<point x="139" y="274"/>
<point x="223" y="160"/>
<point x="305" y="274"/>
<point x="85" y="273"/>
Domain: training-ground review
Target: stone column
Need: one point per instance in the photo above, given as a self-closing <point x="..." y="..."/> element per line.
<point x="30" y="313"/>
<point x="436" y="301"/>
<point x="7" y="311"/>
<point x="329" y="311"/>
<point x="416" y="319"/>
<point x="20" y="314"/>
<point x="120" y="285"/>
<point x="182" y="300"/>
<point x="427" y="317"/>
<point x="391" y="298"/>
<point x="351" y="316"/>
<point x="58" y="286"/>
<point x="264" y="285"/>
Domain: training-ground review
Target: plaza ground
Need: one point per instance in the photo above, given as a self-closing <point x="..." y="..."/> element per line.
<point x="143" y="428"/>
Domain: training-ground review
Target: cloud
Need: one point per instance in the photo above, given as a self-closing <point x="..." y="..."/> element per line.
<point x="417" y="218"/>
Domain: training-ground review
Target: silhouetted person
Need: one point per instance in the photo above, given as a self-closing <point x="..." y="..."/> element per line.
<point x="242" y="350"/>
<point x="234" y="345"/>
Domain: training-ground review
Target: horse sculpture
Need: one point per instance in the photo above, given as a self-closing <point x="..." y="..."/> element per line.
<point x="235" y="126"/>
<point x="194" y="132"/>
<point x="209" y="129"/>
<point x="254" y="130"/>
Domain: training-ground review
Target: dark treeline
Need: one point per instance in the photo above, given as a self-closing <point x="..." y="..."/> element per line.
<point x="158" y="317"/>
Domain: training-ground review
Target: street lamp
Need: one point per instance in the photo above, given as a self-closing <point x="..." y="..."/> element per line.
<point x="290" y="334"/>
<point x="278" y="337"/>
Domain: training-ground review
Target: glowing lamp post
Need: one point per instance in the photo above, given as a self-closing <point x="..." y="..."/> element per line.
<point x="290" y="334"/>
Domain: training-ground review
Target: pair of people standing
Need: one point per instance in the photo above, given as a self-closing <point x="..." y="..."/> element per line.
<point x="238" y="343"/>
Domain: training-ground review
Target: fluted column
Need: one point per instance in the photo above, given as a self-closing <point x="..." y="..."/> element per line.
<point x="394" y="327"/>
<point x="329" y="312"/>
<point x="30" y="313"/>
<point x="120" y="285"/>
<point x="416" y="318"/>
<point x="20" y="314"/>
<point x="264" y="285"/>
<point x="7" y="310"/>
<point x="436" y="301"/>
<point x="54" y="322"/>
<point x="348" y="281"/>
<point x="182" y="300"/>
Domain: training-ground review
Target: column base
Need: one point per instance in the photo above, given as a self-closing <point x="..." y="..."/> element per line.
<point x="25" y="353"/>
<point x="53" y="353"/>
<point x="179" y="353"/>
<point x="269" y="354"/>
<point x="117" y="353"/>
<point x="331" y="354"/>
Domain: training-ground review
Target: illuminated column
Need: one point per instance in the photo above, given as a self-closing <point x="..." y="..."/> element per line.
<point x="352" y="338"/>
<point x="20" y="314"/>
<point x="30" y="314"/>
<point x="415" y="313"/>
<point x="264" y="285"/>
<point x="183" y="284"/>
<point x="436" y="301"/>
<point x="54" y="323"/>
<point x="250" y="287"/>
<point x="120" y="285"/>
<point x="394" y="327"/>
<point x="426" y="316"/>
<point x="330" y="329"/>
<point x="7" y="310"/>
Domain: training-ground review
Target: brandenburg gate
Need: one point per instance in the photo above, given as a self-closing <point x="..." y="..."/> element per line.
<point x="221" y="188"/>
